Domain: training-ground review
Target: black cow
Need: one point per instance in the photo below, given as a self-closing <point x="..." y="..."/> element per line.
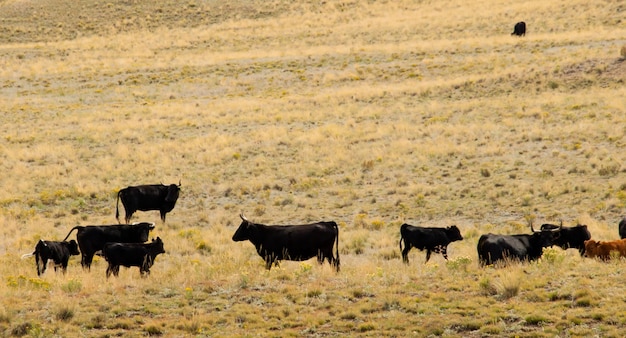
<point x="291" y="242"/>
<point x="622" y="228"/>
<point x="570" y="237"/>
<point x="59" y="252"/>
<point x="494" y="248"/>
<point x="141" y="255"/>
<point x="91" y="238"/>
<point x="432" y="239"/>
<point x="519" y="29"/>
<point x="147" y="197"/>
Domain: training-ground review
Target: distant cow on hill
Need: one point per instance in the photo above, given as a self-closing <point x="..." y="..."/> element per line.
<point x="58" y="252"/>
<point x="91" y="238"/>
<point x="291" y="242"/>
<point x="141" y="255"/>
<point x="519" y="29"/>
<point x="603" y="249"/>
<point x="429" y="239"/>
<point x="147" y="197"/>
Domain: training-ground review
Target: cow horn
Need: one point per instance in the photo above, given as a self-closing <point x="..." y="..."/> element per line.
<point x="243" y="217"/>
<point x="531" y="227"/>
<point x="179" y="182"/>
<point x="560" y="227"/>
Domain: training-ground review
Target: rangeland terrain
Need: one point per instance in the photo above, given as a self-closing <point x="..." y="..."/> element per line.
<point x="368" y="113"/>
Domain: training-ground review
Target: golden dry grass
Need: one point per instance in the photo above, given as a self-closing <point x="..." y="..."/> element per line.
<point x="367" y="113"/>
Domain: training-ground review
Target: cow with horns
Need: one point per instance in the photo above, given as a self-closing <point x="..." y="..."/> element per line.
<point x="570" y="237"/>
<point x="494" y="248"/>
<point x="291" y="242"/>
<point x="147" y="197"/>
<point x="431" y="239"/>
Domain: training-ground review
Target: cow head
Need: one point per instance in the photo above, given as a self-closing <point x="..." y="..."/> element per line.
<point x="73" y="248"/>
<point x="453" y="233"/>
<point x="545" y="237"/>
<point x="172" y="192"/>
<point x="246" y="230"/>
<point x="142" y="230"/>
<point x="591" y="248"/>
<point x="158" y="244"/>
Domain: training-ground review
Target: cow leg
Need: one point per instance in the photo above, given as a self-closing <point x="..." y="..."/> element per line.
<point x="405" y="252"/>
<point x="86" y="261"/>
<point x="64" y="264"/>
<point x="325" y="254"/>
<point x="128" y="216"/>
<point x="116" y="270"/>
<point x="163" y="215"/>
<point x="320" y="257"/>
<point x="268" y="262"/>
<point x="427" y="255"/>
<point x="41" y="264"/>
<point x="444" y="252"/>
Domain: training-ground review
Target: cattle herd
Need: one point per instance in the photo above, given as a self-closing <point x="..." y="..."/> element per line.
<point x="125" y="244"/>
<point x="119" y="244"/>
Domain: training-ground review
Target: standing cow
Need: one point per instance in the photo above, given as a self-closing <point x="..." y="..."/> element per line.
<point x="58" y="252"/>
<point x="147" y="197"/>
<point x="519" y="29"/>
<point x="429" y="238"/>
<point x="291" y="242"/>
<point x="570" y="237"/>
<point x="91" y="238"/>
<point x="494" y="248"/>
<point x="141" y="255"/>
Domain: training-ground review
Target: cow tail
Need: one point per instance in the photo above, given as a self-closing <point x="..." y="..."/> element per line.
<point x="68" y="234"/>
<point x="24" y="256"/>
<point x="117" y="207"/>
<point x="401" y="237"/>
<point x="337" y="243"/>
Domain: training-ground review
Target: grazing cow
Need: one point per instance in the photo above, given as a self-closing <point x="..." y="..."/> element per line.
<point x="141" y="255"/>
<point x="59" y="252"/>
<point x="291" y="242"/>
<point x="494" y="248"/>
<point x="570" y="237"/>
<point x="602" y="249"/>
<point x="147" y="197"/>
<point x="91" y="238"/>
<point x="519" y="29"/>
<point x="622" y="228"/>
<point x="432" y="239"/>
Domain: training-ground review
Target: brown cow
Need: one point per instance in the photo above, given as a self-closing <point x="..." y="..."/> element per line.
<point x="603" y="249"/>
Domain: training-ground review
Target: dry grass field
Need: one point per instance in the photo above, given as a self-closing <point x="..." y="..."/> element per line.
<point x="368" y="113"/>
